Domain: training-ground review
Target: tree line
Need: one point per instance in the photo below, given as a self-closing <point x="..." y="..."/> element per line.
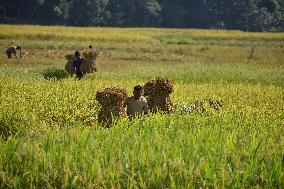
<point x="247" y="15"/>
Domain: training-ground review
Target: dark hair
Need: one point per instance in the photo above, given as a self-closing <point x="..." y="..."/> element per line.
<point x="77" y="53"/>
<point x="90" y="46"/>
<point x="18" y="47"/>
<point x="138" y="88"/>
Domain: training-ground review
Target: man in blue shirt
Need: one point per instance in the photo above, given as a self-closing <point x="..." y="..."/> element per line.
<point x="77" y="65"/>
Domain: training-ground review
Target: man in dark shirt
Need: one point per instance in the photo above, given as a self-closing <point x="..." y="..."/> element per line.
<point x="13" y="50"/>
<point x="77" y="65"/>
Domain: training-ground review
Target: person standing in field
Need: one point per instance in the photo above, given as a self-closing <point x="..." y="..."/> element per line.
<point x="136" y="105"/>
<point x="13" y="50"/>
<point x="77" y="65"/>
<point x="93" y="49"/>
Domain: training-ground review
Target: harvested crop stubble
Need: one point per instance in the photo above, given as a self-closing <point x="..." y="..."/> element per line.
<point x="111" y="100"/>
<point x="158" y="92"/>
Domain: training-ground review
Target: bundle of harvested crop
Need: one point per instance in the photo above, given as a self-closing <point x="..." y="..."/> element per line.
<point x="89" y="66"/>
<point x="111" y="100"/>
<point x="108" y="114"/>
<point x="149" y="88"/>
<point x="89" y="54"/>
<point x="158" y="92"/>
<point x="164" y="86"/>
<point x="162" y="103"/>
<point x="160" y="86"/>
<point x="86" y="67"/>
<point x="69" y="68"/>
<point x="111" y="95"/>
<point x="70" y="57"/>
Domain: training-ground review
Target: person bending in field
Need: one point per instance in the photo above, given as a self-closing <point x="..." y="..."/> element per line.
<point x="13" y="50"/>
<point x="77" y="65"/>
<point x="136" y="105"/>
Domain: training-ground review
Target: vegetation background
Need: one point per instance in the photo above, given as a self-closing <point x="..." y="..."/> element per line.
<point x="247" y="15"/>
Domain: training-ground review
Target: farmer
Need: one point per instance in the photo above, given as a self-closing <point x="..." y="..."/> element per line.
<point x="93" y="50"/>
<point x="136" y="105"/>
<point x="77" y="65"/>
<point x="13" y="50"/>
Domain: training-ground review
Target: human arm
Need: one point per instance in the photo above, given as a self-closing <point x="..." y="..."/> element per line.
<point x="124" y="104"/>
<point x="15" y="54"/>
<point x="14" y="51"/>
<point x="122" y="107"/>
<point x="145" y="108"/>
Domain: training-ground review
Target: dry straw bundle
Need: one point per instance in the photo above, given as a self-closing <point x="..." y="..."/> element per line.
<point x="89" y="62"/>
<point x="111" y="100"/>
<point x="89" y="66"/>
<point x="158" y="92"/>
<point x="160" y="86"/>
<point x="69" y="67"/>
<point x="89" y="55"/>
<point x="70" y="57"/>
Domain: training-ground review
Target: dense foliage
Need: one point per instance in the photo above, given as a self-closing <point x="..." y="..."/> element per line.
<point x="248" y="15"/>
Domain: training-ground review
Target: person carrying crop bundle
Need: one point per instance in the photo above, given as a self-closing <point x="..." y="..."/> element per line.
<point x="92" y="48"/>
<point x="77" y="65"/>
<point x="13" y="50"/>
<point x="136" y="105"/>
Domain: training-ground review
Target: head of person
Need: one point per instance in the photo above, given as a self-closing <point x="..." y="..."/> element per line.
<point x="18" y="47"/>
<point x="90" y="46"/>
<point x="77" y="55"/>
<point x="137" y="92"/>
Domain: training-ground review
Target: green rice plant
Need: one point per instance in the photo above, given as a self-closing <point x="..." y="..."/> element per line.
<point x="54" y="73"/>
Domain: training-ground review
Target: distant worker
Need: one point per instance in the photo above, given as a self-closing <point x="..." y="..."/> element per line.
<point x="13" y="50"/>
<point x="92" y="48"/>
<point x="77" y="65"/>
<point x="136" y="105"/>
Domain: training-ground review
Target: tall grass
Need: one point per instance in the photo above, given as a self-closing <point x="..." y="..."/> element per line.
<point x="127" y="34"/>
<point x="51" y="139"/>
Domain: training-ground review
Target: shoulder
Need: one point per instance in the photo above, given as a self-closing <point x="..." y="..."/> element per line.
<point x="11" y="48"/>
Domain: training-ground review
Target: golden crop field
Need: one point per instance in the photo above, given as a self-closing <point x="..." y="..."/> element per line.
<point x="50" y="137"/>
